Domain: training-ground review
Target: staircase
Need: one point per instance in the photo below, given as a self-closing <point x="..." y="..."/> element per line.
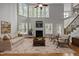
<point x="68" y="21"/>
<point x="71" y="25"/>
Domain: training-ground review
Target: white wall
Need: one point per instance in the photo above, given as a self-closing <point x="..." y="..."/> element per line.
<point x="56" y="12"/>
<point x="8" y="12"/>
<point x="57" y="16"/>
<point x="67" y="7"/>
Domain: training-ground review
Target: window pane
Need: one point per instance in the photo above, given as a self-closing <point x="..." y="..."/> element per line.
<point x="48" y="28"/>
<point x="31" y="11"/>
<point x="20" y="9"/>
<point x="59" y="29"/>
<point x="21" y="28"/>
<point x="26" y="26"/>
<point x="35" y="10"/>
<point x="47" y="11"/>
<point x="25" y="10"/>
<point x="43" y="12"/>
<point x="39" y="12"/>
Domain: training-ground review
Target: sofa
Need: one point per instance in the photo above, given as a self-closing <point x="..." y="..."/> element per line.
<point x="10" y="41"/>
<point x="1" y="45"/>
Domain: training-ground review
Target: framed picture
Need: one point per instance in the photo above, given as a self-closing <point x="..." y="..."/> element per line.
<point x="5" y="27"/>
<point x="39" y="24"/>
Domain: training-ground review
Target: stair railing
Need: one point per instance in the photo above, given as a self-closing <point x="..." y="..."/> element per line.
<point x="72" y="26"/>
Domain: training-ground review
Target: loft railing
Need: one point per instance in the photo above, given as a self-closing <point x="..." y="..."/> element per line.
<point x="72" y="26"/>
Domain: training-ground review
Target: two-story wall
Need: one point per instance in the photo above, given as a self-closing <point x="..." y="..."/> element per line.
<point x="8" y="12"/>
<point x="56" y="17"/>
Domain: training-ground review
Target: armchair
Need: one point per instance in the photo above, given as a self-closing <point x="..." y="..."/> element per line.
<point x="63" y="41"/>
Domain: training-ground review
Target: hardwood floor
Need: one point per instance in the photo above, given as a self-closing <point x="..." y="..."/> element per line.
<point x="75" y="48"/>
<point x="37" y="54"/>
<point x="48" y="54"/>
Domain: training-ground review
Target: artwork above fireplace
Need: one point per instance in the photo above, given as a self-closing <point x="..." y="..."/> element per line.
<point x="39" y="24"/>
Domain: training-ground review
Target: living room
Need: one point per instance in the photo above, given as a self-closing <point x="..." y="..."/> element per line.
<point x="33" y="28"/>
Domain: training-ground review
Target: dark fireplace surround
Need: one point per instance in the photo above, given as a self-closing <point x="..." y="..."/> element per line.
<point x="39" y="39"/>
<point x="39" y="33"/>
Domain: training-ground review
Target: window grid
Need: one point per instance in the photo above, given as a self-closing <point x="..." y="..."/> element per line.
<point x="33" y="12"/>
<point x="48" y="28"/>
<point x="23" y="28"/>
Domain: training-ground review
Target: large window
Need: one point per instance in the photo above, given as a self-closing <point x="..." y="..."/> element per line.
<point x="31" y="11"/>
<point x="23" y="28"/>
<point x="22" y="9"/>
<point x="59" y="29"/>
<point x="38" y="12"/>
<point x="48" y="28"/>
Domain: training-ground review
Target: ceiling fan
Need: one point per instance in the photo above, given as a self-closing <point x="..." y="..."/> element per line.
<point x="40" y="5"/>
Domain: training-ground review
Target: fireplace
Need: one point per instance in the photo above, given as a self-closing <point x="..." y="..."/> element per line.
<point x="39" y="39"/>
<point x="39" y="33"/>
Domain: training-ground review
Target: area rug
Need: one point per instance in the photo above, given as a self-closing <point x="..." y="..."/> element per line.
<point x="27" y="47"/>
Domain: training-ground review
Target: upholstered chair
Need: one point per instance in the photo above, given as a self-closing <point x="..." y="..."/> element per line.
<point x="63" y="41"/>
